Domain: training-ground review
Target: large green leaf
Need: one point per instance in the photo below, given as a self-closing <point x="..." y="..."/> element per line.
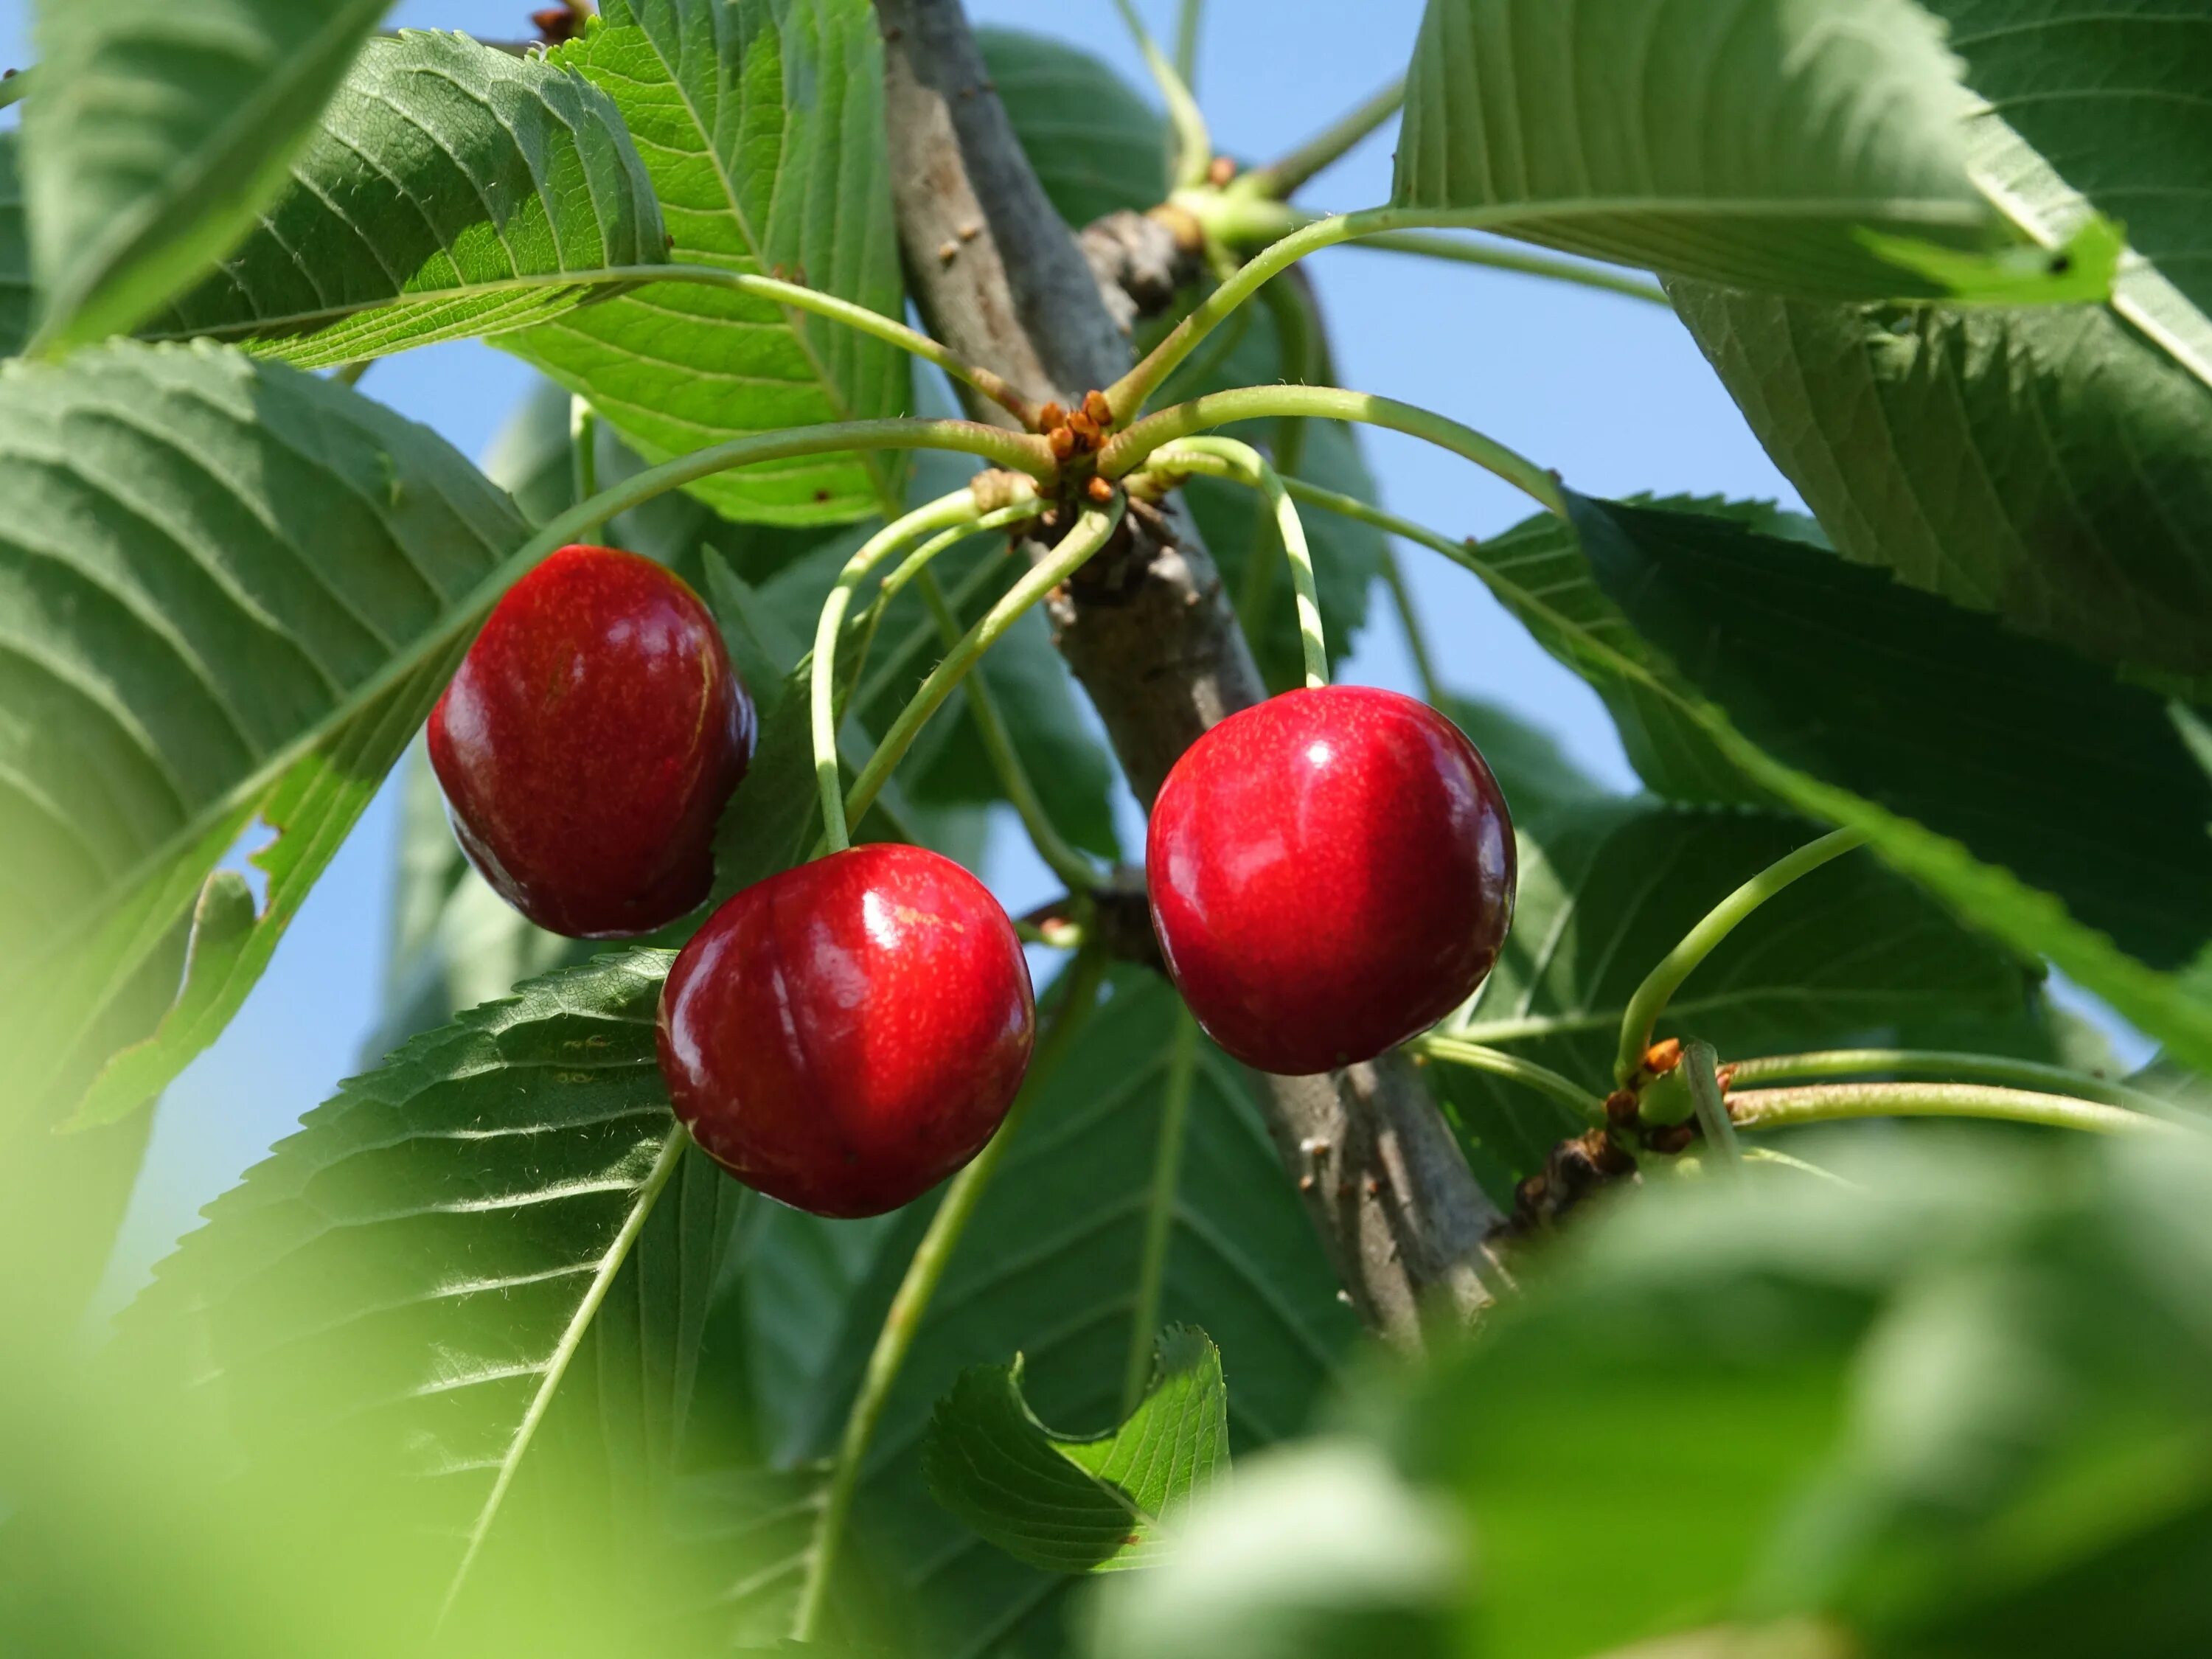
<point x="1595" y="641"/>
<point x="482" y="1269"/>
<point x="1098" y="146"/>
<point x="14" y="253"/>
<point x="1100" y="1503"/>
<point x="1045" y="1269"/>
<point x="1800" y="146"/>
<point x="2050" y="466"/>
<point x="449" y="190"/>
<point x="2034" y="759"/>
<point x="2091" y="105"/>
<point x="158" y="132"/>
<point x="1850" y="955"/>
<point x="761" y="123"/>
<point x="227" y="590"/>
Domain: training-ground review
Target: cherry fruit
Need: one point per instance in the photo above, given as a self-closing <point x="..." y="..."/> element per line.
<point x="589" y="742"/>
<point x="844" y="1036"/>
<point x="1331" y="871"/>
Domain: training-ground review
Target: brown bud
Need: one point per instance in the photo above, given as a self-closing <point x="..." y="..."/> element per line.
<point x="1050" y="415"/>
<point x="1100" y="490"/>
<point x="1663" y="1056"/>
<point x="1100" y="411"/>
<point x="947" y="252"/>
<point x="1085" y="429"/>
<point x="1673" y="1138"/>
<point x="1620" y="1108"/>
<point x="1219" y="170"/>
<point x="1062" y="441"/>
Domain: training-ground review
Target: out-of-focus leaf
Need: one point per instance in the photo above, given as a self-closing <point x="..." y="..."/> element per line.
<point x="448" y="190"/>
<point x="159" y="131"/>
<point x="761" y="123"/>
<point x="1808" y="147"/>
<point x="14" y="253"/>
<point x="1090" y="1502"/>
<point x="1535" y="773"/>
<point x="1098" y="146"/>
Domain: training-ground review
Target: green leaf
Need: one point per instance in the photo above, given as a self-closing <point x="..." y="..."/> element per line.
<point x="482" y="1269"/>
<point x="1088" y="1503"/>
<point x="1595" y="641"/>
<point x="2050" y="466"/>
<point x="1958" y="1409"/>
<point x="2087" y="106"/>
<point x="1811" y="147"/>
<point x="2034" y="759"/>
<point x="1852" y="955"/>
<point x="158" y="132"/>
<point x="451" y="190"/>
<point x="1098" y="146"/>
<point x="227" y="590"/>
<point x="1044" y="1270"/>
<point x="761" y="124"/>
<point x="1535" y="773"/>
<point x="14" y="253"/>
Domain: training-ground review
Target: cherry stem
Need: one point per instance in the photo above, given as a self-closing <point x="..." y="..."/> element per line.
<point x="1659" y="986"/>
<point x="1091" y="532"/>
<point x="1831" y="1102"/>
<point x="1159" y="1210"/>
<point x="1226" y="457"/>
<point x="1409" y="622"/>
<point x="1702" y="1068"/>
<point x="1278" y="178"/>
<point x="1188" y="16"/>
<point x="1060" y="856"/>
<point x="1194" y="144"/>
<point x="1480" y="1058"/>
<point x="919" y="1285"/>
<point x="1949" y="1066"/>
<point x="957" y="510"/>
<point x="1297" y="337"/>
<point x="1129" y="449"/>
<point x="584" y="447"/>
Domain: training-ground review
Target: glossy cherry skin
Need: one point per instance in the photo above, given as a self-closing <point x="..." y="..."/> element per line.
<point x="1331" y="871"/>
<point x="589" y="743"/>
<point x="845" y="1034"/>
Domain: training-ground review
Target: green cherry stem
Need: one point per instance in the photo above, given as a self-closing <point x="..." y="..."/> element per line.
<point x="1091" y="532"/>
<point x="1227" y="458"/>
<point x="1278" y="178"/>
<point x="1478" y="1057"/>
<point x="1060" y="856"/>
<point x="1659" y="986"/>
<point x="1409" y="622"/>
<point x="1832" y="1103"/>
<point x="1188" y="17"/>
<point x="1129" y="449"/>
<point x="923" y="1274"/>
<point x="1159" y="1210"/>
<point x="1194" y="144"/>
<point x="959" y="508"/>
<point x="1946" y="1065"/>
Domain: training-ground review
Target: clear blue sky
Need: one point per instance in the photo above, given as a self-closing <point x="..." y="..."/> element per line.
<point x="1608" y="390"/>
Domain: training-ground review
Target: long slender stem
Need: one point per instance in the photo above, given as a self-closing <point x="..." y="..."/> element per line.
<point x="1493" y="257"/>
<point x="1129" y="394"/>
<point x="1129" y="449"/>
<point x="959" y="507"/>
<point x="1660" y="985"/>
<point x="584" y="447"/>
<point x="899" y="661"/>
<point x="1248" y="465"/>
<point x="1702" y="1067"/>
<point x="1409" y="622"/>
<point x="1830" y="1103"/>
<point x="1159" y="1212"/>
<point x="1947" y="1065"/>
<point x="1499" y="1063"/>
<point x="1089" y="533"/>
<point x="1188" y="17"/>
<point x="1278" y="178"/>
<point x="1060" y="856"/>
<point x="911" y="1302"/>
<point x="1194" y="144"/>
<point x="1298" y="338"/>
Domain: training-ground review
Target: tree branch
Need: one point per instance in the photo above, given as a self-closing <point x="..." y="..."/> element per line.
<point x="1001" y="281"/>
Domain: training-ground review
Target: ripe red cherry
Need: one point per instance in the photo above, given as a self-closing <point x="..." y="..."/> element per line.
<point x="589" y="742"/>
<point x="1331" y="871"/>
<point x="845" y="1034"/>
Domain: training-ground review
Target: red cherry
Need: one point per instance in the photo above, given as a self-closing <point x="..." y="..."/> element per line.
<point x="1331" y="872"/>
<point x="589" y="742"/>
<point x="845" y="1034"/>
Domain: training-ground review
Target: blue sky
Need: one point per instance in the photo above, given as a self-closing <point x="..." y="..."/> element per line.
<point x="1608" y="390"/>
